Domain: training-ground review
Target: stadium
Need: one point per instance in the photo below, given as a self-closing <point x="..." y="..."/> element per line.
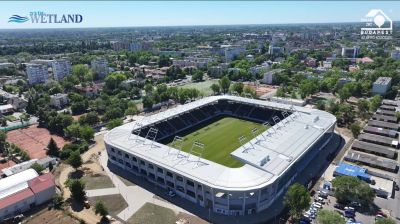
<point x="231" y="154"/>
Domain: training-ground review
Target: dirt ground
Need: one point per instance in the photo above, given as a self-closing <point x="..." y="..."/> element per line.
<point x="90" y="167"/>
<point x="51" y="217"/>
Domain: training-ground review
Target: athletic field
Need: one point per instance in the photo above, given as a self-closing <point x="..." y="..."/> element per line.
<point x="220" y="138"/>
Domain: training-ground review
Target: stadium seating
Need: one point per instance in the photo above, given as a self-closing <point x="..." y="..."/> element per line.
<point x="171" y="127"/>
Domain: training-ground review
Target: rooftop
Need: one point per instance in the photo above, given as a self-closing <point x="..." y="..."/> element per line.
<point x="383" y="81"/>
<point x="16" y="183"/>
<point x="388" y="151"/>
<point x="265" y="160"/>
<point x="352" y="171"/>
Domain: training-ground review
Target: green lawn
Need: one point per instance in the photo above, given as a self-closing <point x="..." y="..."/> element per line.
<point x="220" y="138"/>
<point x="114" y="203"/>
<point x="203" y="87"/>
<point x="97" y="181"/>
<point x="151" y="213"/>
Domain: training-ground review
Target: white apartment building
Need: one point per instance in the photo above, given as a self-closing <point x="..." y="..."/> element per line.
<point x="59" y="100"/>
<point x="36" y="73"/>
<point x="381" y="85"/>
<point x="61" y="68"/>
<point x="350" y="52"/>
<point x="100" y="67"/>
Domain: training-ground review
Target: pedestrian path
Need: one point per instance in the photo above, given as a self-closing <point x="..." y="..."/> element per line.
<point x="135" y="196"/>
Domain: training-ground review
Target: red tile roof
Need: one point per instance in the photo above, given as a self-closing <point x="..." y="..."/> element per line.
<point x="12" y="199"/>
<point x="42" y="183"/>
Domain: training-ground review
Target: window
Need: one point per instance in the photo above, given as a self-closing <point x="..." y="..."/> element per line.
<point x="126" y="156"/>
<point x="169" y="174"/>
<point x="179" y="178"/>
<point x="113" y="158"/>
<point x="134" y="159"/>
<point x="200" y="197"/>
<point x="112" y="150"/>
<point x="191" y="194"/>
<point x="190" y="183"/>
<point x="160" y="170"/>
<point x="119" y="153"/>
<point x="142" y="162"/>
<point x="128" y="164"/>
<point x="151" y="166"/>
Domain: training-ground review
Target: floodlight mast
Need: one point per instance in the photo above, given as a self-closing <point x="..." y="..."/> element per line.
<point x="177" y="143"/>
<point x="197" y="150"/>
<point x="151" y="135"/>
<point x="136" y="130"/>
<point x="243" y="140"/>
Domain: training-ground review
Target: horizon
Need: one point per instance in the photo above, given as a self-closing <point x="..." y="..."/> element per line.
<point x="105" y="14"/>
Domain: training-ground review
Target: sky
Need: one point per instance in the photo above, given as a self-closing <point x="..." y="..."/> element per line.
<point x="177" y="13"/>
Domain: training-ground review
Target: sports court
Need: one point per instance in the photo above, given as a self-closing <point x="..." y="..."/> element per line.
<point x="34" y="140"/>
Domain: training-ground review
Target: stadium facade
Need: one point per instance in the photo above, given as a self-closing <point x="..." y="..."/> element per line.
<point x="272" y="159"/>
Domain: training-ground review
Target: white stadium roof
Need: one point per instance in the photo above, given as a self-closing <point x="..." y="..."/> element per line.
<point x="265" y="157"/>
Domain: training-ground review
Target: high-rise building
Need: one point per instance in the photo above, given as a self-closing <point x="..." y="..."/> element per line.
<point x="100" y="67"/>
<point x="350" y="52"/>
<point x="275" y="50"/>
<point x="36" y="73"/>
<point x="61" y="68"/>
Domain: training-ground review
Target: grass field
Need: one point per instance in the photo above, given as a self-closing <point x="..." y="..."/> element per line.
<point x="220" y="138"/>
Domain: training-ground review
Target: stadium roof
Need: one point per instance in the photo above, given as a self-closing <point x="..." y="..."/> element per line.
<point x="366" y="146"/>
<point x="384" y="124"/>
<point x="380" y="131"/>
<point x="263" y="164"/>
<point x="352" y="171"/>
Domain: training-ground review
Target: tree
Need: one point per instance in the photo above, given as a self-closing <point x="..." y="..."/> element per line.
<point x="73" y="130"/>
<point x="3" y="137"/>
<point x="114" y="123"/>
<point x="329" y="217"/>
<point x="148" y="102"/>
<point x="238" y="87"/>
<point x="375" y="102"/>
<point x="75" y="160"/>
<point x="224" y="84"/>
<point x="164" y="61"/>
<point x="77" y="188"/>
<point x="344" y="94"/>
<point x="348" y="189"/>
<point x="363" y="108"/>
<point x="355" y="129"/>
<point x="280" y="92"/>
<point x="297" y="198"/>
<point x="86" y="132"/>
<point x="100" y="209"/>
<point x="37" y="167"/>
<point x="131" y="110"/>
<point x="215" y="88"/>
<point x="52" y="148"/>
<point x="385" y="221"/>
<point x="58" y="201"/>
<point x="197" y="76"/>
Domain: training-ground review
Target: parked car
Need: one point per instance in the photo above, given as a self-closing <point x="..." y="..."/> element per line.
<point x="339" y="206"/>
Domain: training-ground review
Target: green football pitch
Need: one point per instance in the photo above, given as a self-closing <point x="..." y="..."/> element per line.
<point x="220" y="138"/>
